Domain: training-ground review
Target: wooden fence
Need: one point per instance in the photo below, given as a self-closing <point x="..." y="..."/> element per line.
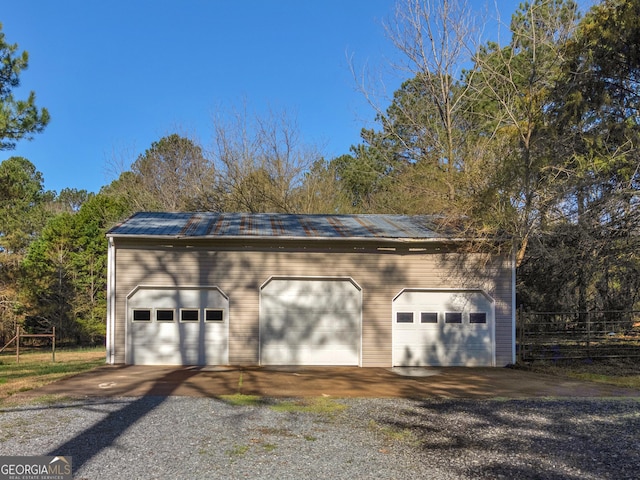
<point x="578" y="335"/>
<point x="20" y="335"/>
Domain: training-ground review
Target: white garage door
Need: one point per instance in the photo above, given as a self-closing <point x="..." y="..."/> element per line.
<point x="307" y="321"/>
<point x="177" y="326"/>
<point x="443" y="328"/>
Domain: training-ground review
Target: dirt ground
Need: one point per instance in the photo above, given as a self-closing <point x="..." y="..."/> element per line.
<point x="342" y="382"/>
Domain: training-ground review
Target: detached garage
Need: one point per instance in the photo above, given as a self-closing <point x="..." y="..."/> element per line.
<point x="279" y="289"/>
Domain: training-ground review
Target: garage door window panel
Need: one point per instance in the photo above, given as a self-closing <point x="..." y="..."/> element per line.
<point x="453" y="317"/>
<point x="141" y="315"/>
<point x="189" y="315"/>
<point x="404" y="317"/>
<point x="165" y="314"/>
<point x="214" y="315"/>
<point x="428" y="317"/>
<point x="477" y="317"/>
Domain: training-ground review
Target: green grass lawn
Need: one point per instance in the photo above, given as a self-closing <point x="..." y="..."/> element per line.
<point x="37" y="369"/>
<point x="622" y="372"/>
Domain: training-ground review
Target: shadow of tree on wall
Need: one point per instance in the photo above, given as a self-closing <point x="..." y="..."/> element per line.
<point x="173" y="341"/>
<point x="368" y="270"/>
<point x="310" y="321"/>
<point x="239" y="272"/>
<point x="163" y="271"/>
<point x="487" y="267"/>
<point x="450" y="338"/>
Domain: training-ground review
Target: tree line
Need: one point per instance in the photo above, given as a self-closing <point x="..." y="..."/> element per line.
<point x="533" y="139"/>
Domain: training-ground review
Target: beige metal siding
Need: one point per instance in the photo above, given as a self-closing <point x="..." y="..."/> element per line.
<point x="382" y="274"/>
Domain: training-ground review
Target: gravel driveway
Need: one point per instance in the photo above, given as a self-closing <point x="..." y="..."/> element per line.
<point x="195" y="438"/>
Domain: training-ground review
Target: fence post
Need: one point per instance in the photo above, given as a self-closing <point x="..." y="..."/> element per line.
<point x="520" y="318"/>
<point x="18" y="345"/>
<point x="589" y="334"/>
<point x="53" y="346"/>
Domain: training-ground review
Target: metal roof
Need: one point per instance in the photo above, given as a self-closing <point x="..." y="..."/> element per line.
<point x="276" y="225"/>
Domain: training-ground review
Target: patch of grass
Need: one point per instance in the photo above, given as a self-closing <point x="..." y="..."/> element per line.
<point x="19" y="401"/>
<point x="238" y="450"/>
<point x="310" y="438"/>
<point x="36" y="369"/>
<point x="632" y="381"/>
<point x="394" y="434"/>
<point x="620" y="372"/>
<point x="242" y="400"/>
<point x="50" y="399"/>
<point x="317" y="405"/>
<point x="269" y="447"/>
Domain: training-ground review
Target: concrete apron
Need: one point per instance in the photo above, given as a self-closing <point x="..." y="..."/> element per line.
<point x="215" y="381"/>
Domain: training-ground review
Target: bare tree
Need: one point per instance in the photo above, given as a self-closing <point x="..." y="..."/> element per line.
<point x="436" y="38"/>
<point x="435" y="158"/>
<point x="261" y="161"/>
<point x="173" y="174"/>
<point x="322" y="191"/>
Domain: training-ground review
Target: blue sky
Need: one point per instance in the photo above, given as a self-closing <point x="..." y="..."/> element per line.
<point x="118" y="75"/>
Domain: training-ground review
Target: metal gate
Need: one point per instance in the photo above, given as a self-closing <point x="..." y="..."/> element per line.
<point x="578" y="335"/>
